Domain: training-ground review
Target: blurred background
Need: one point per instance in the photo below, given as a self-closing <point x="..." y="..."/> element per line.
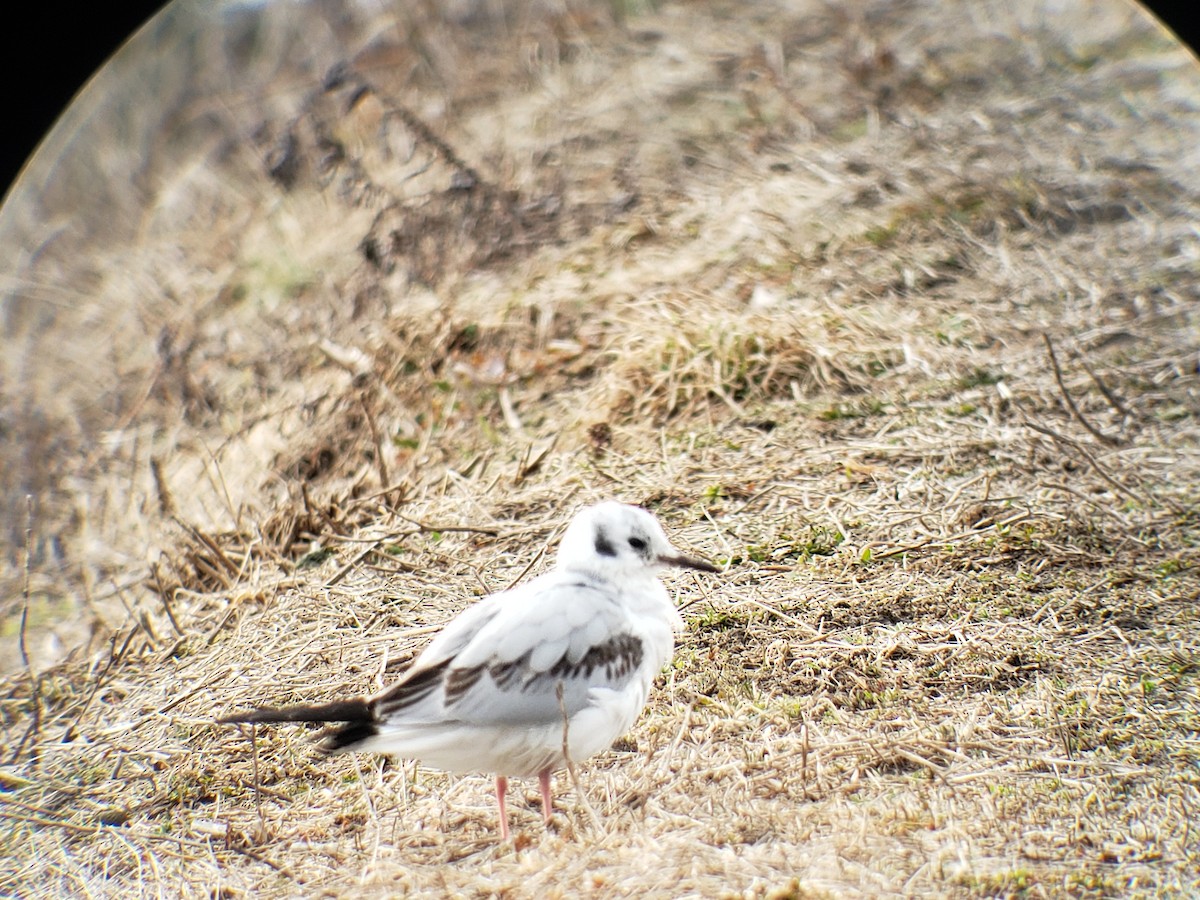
<point x="48" y="60"/>
<point x="158" y="246"/>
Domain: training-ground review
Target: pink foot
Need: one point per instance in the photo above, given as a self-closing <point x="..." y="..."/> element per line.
<point x="501" y="790"/>
<point x="544" y="778"/>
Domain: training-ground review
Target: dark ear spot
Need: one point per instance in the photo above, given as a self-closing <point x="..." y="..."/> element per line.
<point x="603" y="545"/>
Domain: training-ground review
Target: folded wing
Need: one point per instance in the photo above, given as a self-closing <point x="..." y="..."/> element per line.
<point x="561" y="635"/>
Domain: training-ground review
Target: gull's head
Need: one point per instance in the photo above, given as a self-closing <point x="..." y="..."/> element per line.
<point x="614" y="537"/>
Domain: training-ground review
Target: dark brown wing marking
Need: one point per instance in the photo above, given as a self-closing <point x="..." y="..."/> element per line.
<point x="408" y="692"/>
<point x="619" y="656"/>
<point x="459" y="681"/>
<point x="503" y="674"/>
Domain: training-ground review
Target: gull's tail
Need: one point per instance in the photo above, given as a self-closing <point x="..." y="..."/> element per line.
<point x="357" y="714"/>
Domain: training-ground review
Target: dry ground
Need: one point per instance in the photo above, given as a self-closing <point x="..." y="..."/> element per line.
<point x="889" y="307"/>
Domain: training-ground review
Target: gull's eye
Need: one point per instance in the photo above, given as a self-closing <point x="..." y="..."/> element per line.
<point x="637" y="543"/>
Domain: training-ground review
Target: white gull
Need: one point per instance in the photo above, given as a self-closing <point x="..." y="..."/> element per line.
<point x="490" y="692"/>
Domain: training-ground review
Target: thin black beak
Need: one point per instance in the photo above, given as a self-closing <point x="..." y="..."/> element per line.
<point x="688" y="562"/>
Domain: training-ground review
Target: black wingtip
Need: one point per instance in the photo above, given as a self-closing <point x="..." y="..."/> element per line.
<point x="347" y="738"/>
<point x="356" y="711"/>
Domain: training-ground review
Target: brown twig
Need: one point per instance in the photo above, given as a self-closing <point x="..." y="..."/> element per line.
<point x="164" y="597"/>
<point x="951" y="538"/>
<point x="205" y="541"/>
<point x="804" y="756"/>
<point x="25" y="587"/>
<point x="1095" y="463"/>
<point x="45" y="822"/>
<point x="35" y="698"/>
<point x="449" y="529"/>
<point x="380" y="461"/>
<point x="126" y="834"/>
<point x="1113" y="400"/>
<point x="1091" y="429"/>
<point x="341" y="74"/>
<point x="262" y="819"/>
<point x="166" y="502"/>
<point x="571" y="770"/>
<point x="349" y="567"/>
<point x="525" y="571"/>
<point x="97" y="682"/>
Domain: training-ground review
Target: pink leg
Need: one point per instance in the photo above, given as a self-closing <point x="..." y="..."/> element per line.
<point x="544" y="777"/>
<point x="501" y="790"/>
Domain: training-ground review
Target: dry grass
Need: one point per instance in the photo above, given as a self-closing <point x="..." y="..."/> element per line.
<point x="894" y="316"/>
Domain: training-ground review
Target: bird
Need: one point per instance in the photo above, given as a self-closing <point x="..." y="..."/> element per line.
<point x="533" y="679"/>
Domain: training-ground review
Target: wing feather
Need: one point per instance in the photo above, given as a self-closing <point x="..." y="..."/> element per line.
<point x="593" y="633"/>
<point x="488" y="668"/>
<point x="544" y="655"/>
